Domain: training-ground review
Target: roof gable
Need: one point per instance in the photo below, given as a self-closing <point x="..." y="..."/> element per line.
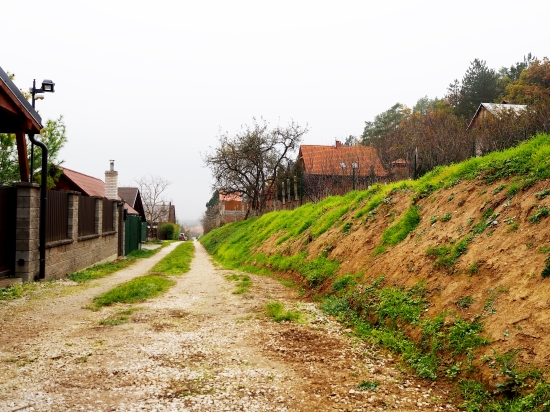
<point x="129" y="194"/>
<point x="496" y="109"/>
<point x="132" y="197"/>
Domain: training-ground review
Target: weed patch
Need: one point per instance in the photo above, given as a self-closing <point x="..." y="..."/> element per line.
<point x="136" y="290"/>
<point x="101" y="270"/>
<point x="539" y="214"/>
<point x="277" y="312"/>
<point x="446" y="256"/>
<point x="368" y="386"/>
<point x="243" y="283"/>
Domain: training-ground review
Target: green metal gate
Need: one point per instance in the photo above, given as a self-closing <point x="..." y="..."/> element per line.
<point x="133" y="233"/>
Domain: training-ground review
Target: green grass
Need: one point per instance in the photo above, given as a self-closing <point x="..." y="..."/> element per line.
<point x="277" y="312"/>
<point x="20" y="289"/>
<point x="176" y="262"/>
<point x="136" y="290"/>
<point x="344" y="282"/>
<point x="399" y="232"/>
<point x="105" y="269"/>
<point x="382" y="313"/>
<point x="243" y="283"/>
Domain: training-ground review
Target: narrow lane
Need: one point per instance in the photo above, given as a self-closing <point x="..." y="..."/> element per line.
<point x="199" y="347"/>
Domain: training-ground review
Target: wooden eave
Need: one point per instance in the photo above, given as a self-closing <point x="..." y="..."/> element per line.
<point x="16" y="118"/>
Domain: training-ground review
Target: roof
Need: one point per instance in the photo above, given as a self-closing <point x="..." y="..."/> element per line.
<point x="131" y="210"/>
<point x="329" y="160"/>
<point x="235" y="197"/>
<point x="400" y="162"/>
<point x="87" y="185"/>
<point x="23" y="106"/>
<point x="497" y="108"/>
<point x="91" y="186"/>
<point x="129" y="194"/>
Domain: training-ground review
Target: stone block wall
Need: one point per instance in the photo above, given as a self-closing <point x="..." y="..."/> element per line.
<point x="63" y="256"/>
<point x="27" y="256"/>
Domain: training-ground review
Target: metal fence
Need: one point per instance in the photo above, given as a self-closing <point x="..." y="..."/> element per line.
<point x="8" y="212"/>
<point x="86" y="216"/>
<point x="108" y="221"/>
<point x="57" y="216"/>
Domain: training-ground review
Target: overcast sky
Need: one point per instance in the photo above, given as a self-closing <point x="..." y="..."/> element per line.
<point x="151" y="83"/>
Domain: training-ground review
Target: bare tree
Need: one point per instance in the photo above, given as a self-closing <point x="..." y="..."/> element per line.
<point x="247" y="163"/>
<point x="152" y="190"/>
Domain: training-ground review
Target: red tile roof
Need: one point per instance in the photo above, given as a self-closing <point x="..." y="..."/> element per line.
<point x="235" y="197"/>
<point x="87" y="185"/>
<point x="327" y="160"/>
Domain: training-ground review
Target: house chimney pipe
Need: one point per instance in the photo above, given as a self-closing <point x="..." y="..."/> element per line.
<point x="43" y="206"/>
<point x="111" y="182"/>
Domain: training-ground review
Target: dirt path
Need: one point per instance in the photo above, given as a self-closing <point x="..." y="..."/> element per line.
<point x="197" y="348"/>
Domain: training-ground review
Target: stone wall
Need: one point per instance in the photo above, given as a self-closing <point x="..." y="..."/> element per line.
<point x="63" y="256"/>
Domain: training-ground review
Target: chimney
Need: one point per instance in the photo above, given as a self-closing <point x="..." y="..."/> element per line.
<point x="111" y="182"/>
<point x="338" y="144"/>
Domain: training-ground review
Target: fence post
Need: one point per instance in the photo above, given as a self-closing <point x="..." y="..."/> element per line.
<point x="283" y="193"/>
<point x="27" y="258"/>
<point x="98" y="215"/>
<point x="72" y="228"/>
<point x="288" y="193"/>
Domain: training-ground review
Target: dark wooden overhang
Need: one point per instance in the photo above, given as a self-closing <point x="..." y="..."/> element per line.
<point x="17" y="116"/>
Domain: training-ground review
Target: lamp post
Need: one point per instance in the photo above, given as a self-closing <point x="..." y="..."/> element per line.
<point x="343" y="166"/>
<point x="47" y="86"/>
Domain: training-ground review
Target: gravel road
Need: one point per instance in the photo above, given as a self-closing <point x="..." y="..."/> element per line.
<point x="199" y="347"/>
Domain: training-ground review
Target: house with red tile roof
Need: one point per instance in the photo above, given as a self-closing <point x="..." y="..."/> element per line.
<point x="330" y="170"/>
<point x="92" y="186"/>
<point x="232" y="207"/>
<point x="134" y="212"/>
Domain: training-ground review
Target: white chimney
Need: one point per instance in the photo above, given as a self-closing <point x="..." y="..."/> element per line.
<point x="111" y="182"/>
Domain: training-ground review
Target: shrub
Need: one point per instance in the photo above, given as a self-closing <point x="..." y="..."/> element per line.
<point x="169" y="230"/>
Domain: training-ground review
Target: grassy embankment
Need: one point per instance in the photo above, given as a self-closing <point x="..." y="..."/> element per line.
<point x="441" y="345"/>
